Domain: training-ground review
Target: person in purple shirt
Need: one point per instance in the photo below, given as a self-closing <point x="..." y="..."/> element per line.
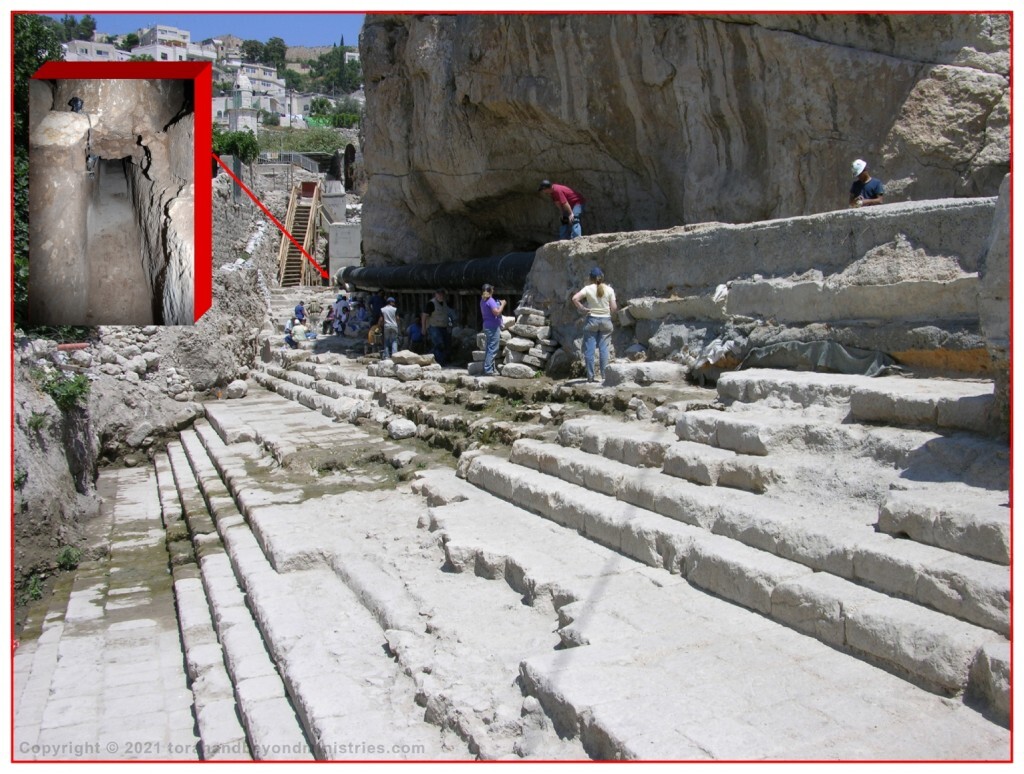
<point x="570" y="207"/>
<point x="490" y="310"/>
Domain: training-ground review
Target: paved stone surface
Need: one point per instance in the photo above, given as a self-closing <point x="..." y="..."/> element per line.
<point x="109" y="682"/>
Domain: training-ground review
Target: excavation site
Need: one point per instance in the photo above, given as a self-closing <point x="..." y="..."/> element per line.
<point x="621" y="387"/>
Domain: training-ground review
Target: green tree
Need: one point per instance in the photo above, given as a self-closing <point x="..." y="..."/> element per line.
<point x="293" y="80"/>
<point x="320" y="106"/>
<point x="242" y="145"/>
<point x="36" y="40"/>
<point x="352" y="77"/>
<point x="86" y="28"/>
<point x="252" y="51"/>
<point x="131" y="40"/>
<point x="274" y="53"/>
<point x="141" y="58"/>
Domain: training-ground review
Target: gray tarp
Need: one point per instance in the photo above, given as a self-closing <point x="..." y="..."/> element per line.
<point x="819" y="356"/>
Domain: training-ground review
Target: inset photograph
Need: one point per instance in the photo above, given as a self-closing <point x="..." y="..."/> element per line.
<point x="112" y="200"/>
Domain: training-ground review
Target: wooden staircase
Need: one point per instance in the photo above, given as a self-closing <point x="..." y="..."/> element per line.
<point x="303" y="208"/>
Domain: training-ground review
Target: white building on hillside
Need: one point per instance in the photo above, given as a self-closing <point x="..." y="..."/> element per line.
<point x="87" y="51"/>
<point x="169" y="44"/>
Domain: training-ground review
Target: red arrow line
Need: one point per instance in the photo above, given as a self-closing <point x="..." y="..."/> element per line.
<point x="270" y="215"/>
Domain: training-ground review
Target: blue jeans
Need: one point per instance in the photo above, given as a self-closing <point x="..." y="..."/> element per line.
<point x="572" y="230"/>
<point x="491" y="350"/>
<point x="390" y="341"/>
<point x="440" y="339"/>
<point x="596" y="333"/>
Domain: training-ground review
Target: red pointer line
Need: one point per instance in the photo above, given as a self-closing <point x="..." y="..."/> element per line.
<point x="270" y="215"/>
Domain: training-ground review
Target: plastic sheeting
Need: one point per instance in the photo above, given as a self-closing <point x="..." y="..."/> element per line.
<point x="825" y="356"/>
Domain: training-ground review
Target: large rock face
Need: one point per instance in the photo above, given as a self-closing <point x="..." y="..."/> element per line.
<point x="662" y="121"/>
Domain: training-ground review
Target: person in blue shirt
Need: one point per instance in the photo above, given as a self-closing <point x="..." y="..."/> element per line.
<point x="865" y="190"/>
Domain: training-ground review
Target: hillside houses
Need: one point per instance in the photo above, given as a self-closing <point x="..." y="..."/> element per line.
<point x="256" y="88"/>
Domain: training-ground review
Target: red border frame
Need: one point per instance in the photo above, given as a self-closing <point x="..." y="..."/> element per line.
<point x="200" y="73"/>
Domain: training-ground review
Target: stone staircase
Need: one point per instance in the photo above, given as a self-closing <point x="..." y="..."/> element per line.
<point x="748" y="584"/>
<point x="816" y="567"/>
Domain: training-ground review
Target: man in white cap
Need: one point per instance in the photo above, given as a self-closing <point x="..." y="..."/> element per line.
<point x="865" y="190"/>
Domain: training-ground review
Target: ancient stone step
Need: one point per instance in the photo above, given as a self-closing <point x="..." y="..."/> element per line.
<point x="800" y="532"/>
<point x="460" y="641"/>
<point x="327" y="646"/>
<point x="763" y="431"/>
<point x="741" y="573"/>
<point x="293" y="435"/>
<point x="272" y="728"/>
<point x="968" y="520"/>
<point x="959" y="404"/>
<point x="221" y="734"/>
<point x="653" y="668"/>
<point x="342" y="407"/>
<point x="107" y="681"/>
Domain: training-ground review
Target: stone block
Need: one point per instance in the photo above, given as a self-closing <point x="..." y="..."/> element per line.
<point x="738" y="573"/>
<point x="696" y="462"/>
<point x="401" y="428"/>
<point x="928" y="645"/>
<point x="517" y="371"/>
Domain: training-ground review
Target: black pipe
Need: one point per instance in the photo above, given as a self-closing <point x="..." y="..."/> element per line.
<point x="507" y="273"/>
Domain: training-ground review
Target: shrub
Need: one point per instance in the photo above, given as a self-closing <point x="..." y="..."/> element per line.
<point x="67" y="392"/>
<point x="37" y="421"/>
<point x="20" y="477"/>
<point x="69" y="557"/>
<point x="33" y="589"/>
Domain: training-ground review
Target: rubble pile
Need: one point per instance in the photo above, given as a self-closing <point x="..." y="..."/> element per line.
<point x="525" y="348"/>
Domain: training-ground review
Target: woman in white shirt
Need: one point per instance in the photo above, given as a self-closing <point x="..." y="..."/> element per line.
<point x="597" y="330"/>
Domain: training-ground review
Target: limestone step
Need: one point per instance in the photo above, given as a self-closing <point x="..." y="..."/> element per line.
<point x="293" y="435"/>
<point x="968" y="520"/>
<point x="785" y="300"/>
<point x="460" y="641"/>
<point x="653" y="668"/>
<point x="272" y="729"/>
<point x="341" y="407"/>
<point x="692" y="461"/>
<point x="829" y="541"/>
<point x="748" y="575"/>
<point x="761" y="432"/>
<point x="960" y="404"/>
<point x="217" y="716"/>
<point x="107" y="679"/>
<point x="328" y="648"/>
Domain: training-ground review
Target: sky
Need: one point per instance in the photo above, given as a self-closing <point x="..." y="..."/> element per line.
<point x="297" y="29"/>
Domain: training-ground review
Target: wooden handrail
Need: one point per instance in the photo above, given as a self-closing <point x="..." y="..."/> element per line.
<point x="282" y="254"/>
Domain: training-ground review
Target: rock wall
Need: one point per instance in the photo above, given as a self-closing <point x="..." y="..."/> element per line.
<point x="164" y="201"/>
<point x="900" y="279"/>
<point x="666" y="120"/>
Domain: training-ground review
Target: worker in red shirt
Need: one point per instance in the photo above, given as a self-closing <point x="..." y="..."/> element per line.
<point x="570" y="207"/>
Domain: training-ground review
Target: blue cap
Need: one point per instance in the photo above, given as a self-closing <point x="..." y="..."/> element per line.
<point x="390" y="300"/>
<point x="596" y="272"/>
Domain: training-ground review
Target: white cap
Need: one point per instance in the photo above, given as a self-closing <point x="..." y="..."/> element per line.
<point x="858" y="166"/>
